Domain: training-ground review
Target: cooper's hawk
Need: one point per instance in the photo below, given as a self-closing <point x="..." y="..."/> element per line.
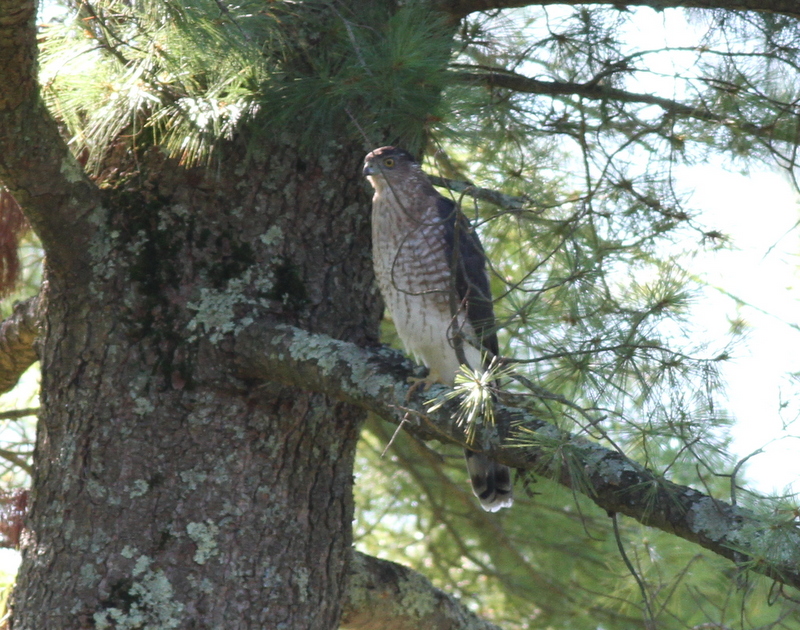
<point x="431" y="270"/>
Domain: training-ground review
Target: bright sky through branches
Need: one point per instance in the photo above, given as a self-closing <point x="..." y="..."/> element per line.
<point x="751" y="284"/>
<point x="754" y="284"/>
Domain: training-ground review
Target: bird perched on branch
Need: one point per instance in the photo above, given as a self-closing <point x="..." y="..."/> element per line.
<point x="431" y="270"/>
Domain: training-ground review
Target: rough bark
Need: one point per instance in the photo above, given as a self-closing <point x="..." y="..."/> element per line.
<point x="36" y="165"/>
<point x="17" y="336"/>
<point x="167" y="492"/>
<point x="384" y="595"/>
<point x="378" y="381"/>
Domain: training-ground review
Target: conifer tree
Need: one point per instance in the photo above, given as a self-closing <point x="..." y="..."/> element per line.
<point x="209" y="332"/>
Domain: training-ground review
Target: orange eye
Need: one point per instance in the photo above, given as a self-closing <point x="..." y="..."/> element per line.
<point x="388" y="162"/>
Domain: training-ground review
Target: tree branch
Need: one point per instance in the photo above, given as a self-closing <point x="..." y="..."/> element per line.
<point x="460" y="8"/>
<point x="596" y="91"/>
<point x="17" y="335"/>
<point x="35" y="162"/>
<point x="383" y="595"/>
<point x="376" y="379"/>
<point x="495" y="197"/>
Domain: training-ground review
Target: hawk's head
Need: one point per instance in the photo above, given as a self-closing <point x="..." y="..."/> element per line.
<point x="393" y="167"/>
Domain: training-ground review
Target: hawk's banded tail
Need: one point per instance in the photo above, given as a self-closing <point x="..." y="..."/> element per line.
<point x="491" y="482"/>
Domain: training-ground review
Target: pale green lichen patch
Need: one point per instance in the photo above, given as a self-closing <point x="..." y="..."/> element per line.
<point x="215" y="313"/>
<point x="364" y="375"/>
<point x="416" y="597"/>
<point x="777" y="543"/>
<point x="89" y="574"/>
<point x="271" y="578"/>
<point x="96" y="490"/>
<point x="273" y="236"/>
<point x="216" y="308"/>
<point x="152" y="604"/>
<point x="707" y="519"/>
<point x="301" y="576"/>
<point x="143" y="406"/>
<point x="142" y="564"/>
<point x="71" y="170"/>
<point x="140" y="488"/>
<point x="360" y="584"/>
<point x="204" y="585"/>
<point x="204" y="536"/>
<point x="611" y="469"/>
<point x="306" y="346"/>
<point x="192" y="479"/>
<point x="331" y="355"/>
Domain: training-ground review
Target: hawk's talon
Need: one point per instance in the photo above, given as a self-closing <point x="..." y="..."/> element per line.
<point x="425" y="382"/>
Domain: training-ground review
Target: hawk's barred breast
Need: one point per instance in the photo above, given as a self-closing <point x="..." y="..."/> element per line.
<point x="414" y="277"/>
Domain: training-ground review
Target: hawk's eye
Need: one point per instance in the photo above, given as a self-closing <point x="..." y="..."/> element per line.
<point x="388" y="162"/>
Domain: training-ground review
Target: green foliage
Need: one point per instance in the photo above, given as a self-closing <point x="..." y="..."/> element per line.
<point x="179" y="75"/>
<point x="595" y="288"/>
<point x="476" y="389"/>
<point x="592" y="277"/>
<point x="186" y="76"/>
<point x="367" y="75"/>
<point x="552" y="560"/>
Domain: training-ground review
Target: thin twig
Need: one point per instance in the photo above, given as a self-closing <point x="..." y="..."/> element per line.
<point x="394" y="435"/>
<point x="16" y="414"/>
<point x="17" y="460"/>
<point x="494" y="197"/>
<point x="736" y="468"/>
<point x="650" y="622"/>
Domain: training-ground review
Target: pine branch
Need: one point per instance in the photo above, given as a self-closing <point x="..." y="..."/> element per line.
<point x="376" y="379"/>
<point x="495" y="197"/>
<point x="379" y="594"/>
<point x="17" y="335"/>
<point x="17" y="460"/>
<point x="35" y="162"/>
<point x="596" y="91"/>
<point x="18" y="414"/>
<point x="460" y="8"/>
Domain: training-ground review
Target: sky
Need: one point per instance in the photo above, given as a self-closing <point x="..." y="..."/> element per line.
<point x="759" y="212"/>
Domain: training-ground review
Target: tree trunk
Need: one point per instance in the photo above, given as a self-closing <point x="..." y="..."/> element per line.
<point x="168" y="492"/>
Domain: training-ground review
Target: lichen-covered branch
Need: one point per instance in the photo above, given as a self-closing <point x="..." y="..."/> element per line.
<point x="17" y="335"/>
<point x="460" y="8"/>
<point x="383" y="595"/>
<point x="35" y="163"/>
<point x="376" y="379"/>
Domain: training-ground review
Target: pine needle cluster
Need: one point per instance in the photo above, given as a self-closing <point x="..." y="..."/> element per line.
<point x="185" y="76"/>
